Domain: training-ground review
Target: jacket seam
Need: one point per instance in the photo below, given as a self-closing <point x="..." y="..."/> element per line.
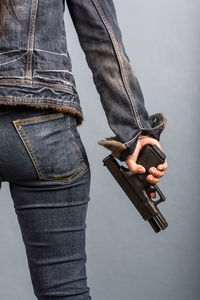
<point x="133" y="139"/>
<point x="23" y="77"/>
<point x="11" y="61"/>
<point x="42" y="50"/>
<point x="69" y="88"/>
<point x="50" y="78"/>
<point x="5" y="52"/>
<point x="120" y="61"/>
<point x="45" y="100"/>
<point x="31" y="38"/>
<point x="56" y="70"/>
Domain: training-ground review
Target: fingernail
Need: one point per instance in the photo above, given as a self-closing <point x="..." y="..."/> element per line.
<point x="141" y="169"/>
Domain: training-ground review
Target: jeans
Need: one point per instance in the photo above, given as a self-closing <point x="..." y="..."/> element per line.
<point x="44" y="160"/>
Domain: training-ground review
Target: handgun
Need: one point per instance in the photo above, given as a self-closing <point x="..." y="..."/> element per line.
<point x="137" y="188"/>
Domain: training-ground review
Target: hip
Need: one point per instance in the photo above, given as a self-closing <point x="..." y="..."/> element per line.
<point x="40" y="144"/>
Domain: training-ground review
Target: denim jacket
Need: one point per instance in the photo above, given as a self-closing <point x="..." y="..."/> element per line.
<point x="36" y="68"/>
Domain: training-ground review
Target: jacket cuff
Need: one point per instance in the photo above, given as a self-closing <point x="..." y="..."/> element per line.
<point x="121" y="151"/>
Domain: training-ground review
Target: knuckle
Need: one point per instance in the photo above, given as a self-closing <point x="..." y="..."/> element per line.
<point x="133" y="170"/>
<point x="150" y="178"/>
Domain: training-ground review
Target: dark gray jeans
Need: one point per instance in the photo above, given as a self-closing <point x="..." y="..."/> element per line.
<point x="44" y="160"/>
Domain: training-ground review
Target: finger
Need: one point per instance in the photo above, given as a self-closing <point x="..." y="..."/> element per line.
<point x="153" y="195"/>
<point x="134" y="156"/>
<point x="155" y="172"/>
<point x="155" y="142"/>
<point x="152" y="179"/>
<point x="135" y="168"/>
<point x="163" y="166"/>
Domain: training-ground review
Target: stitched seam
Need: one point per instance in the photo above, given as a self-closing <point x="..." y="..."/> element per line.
<point x="48" y="99"/>
<point x="12" y="76"/>
<point x="34" y="120"/>
<point x="46" y="84"/>
<point x="132" y="138"/>
<point x="120" y="61"/>
<point x="33" y="24"/>
<point x="33" y="157"/>
<point x="31" y="36"/>
<point x="57" y="87"/>
<point x="29" y="33"/>
<point x="9" y="51"/>
<point x="8" y="62"/>
<point x="156" y="127"/>
<point x="67" y="179"/>
<point x="73" y="138"/>
<point x="27" y="66"/>
<point x="17" y="126"/>
<point x="64" y="81"/>
<point x="44" y="70"/>
<point x="51" y="52"/>
<point x="29" y="40"/>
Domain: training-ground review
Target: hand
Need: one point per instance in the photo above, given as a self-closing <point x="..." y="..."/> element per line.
<point x="155" y="173"/>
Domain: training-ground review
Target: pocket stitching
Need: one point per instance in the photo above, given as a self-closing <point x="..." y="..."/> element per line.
<point x="70" y="178"/>
<point x="73" y="138"/>
<point x="40" y="118"/>
<point x="19" y="125"/>
<point x="31" y="155"/>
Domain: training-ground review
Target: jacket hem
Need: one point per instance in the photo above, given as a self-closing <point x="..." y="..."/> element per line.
<point x="43" y="103"/>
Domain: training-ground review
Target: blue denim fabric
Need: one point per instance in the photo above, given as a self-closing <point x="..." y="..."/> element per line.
<point x="44" y="160"/>
<point x="36" y="68"/>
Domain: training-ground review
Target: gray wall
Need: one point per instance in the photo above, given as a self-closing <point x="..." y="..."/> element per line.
<point x="126" y="259"/>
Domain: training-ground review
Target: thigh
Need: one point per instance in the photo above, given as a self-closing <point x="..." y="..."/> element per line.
<point x="49" y="178"/>
<point x="52" y="219"/>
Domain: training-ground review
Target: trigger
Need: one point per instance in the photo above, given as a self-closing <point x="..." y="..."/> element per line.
<point x="151" y="190"/>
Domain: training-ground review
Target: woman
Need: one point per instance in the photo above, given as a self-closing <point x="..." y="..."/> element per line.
<point x="41" y="152"/>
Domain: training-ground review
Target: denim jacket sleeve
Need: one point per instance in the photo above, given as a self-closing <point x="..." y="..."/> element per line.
<point x="100" y="37"/>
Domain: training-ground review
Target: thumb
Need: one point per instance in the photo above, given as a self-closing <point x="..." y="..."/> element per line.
<point x="131" y="161"/>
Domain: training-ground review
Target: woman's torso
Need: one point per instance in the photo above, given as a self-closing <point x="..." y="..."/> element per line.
<point x="35" y="66"/>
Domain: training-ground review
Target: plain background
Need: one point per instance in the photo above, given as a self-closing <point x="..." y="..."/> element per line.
<point x="125" y="258"/>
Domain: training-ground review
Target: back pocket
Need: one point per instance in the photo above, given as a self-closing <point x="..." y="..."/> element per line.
<point x="55" y="151"/>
